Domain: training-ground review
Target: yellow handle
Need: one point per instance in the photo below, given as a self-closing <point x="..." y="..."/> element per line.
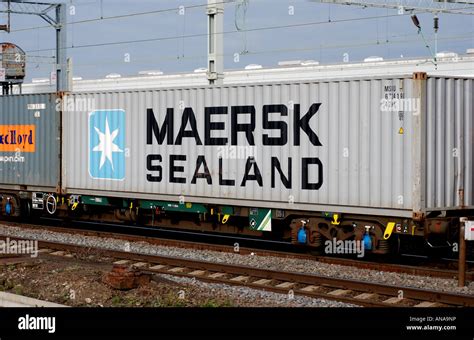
<point x="388" y="230"/>
<point x="74" y="206"/>
<point x="225" y="219"/>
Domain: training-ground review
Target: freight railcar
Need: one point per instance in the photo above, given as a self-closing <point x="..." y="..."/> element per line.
<point x="350" y="158"/>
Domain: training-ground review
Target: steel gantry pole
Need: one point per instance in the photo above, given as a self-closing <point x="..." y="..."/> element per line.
<point x="62" y="83"/>
<point x="58" y="21"/>
<point x="215" y="43"/>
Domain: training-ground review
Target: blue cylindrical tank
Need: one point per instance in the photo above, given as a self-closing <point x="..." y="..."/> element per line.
<point x="367" y="241"/>
<point x="302" y="237"/>
<point x="8" y="208"/>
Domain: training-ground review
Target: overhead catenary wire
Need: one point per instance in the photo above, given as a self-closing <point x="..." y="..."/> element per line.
<point x="129" y="15"/>
<point x="190" y="36"/>
<point x="122" y="16"/>
<point x="358" y="44"/>
<point x="197" y="35"/>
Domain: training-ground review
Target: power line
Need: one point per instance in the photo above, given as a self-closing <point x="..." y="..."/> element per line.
<point x="432" y="6"/>
<point x="358" y="44"/>
<point x="121" y="16"/>
<point x="197" y="35"/>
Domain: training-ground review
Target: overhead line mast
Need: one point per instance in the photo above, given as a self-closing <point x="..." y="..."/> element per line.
<point x="54" y="14"/>
<point x="215" y="65"/>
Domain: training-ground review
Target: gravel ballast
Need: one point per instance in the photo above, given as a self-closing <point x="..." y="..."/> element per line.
<point x="263" y="262"/>
<point x="241" y="293"/>
<point x="78" y="283"/>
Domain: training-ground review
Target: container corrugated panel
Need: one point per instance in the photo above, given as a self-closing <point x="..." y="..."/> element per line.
<point x="29" y="141"/>
<point x="450" y="143"/>
<point x="363" y="161"/>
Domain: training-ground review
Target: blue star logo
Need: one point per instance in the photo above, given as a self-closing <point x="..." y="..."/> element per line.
<point x="107" y="144"/>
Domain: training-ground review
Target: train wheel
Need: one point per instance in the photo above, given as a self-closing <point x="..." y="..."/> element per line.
<point x="25" y="210"/>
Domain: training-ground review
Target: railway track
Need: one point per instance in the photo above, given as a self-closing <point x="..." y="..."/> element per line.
<point x="360" y="293"/>
<point x="167" y="242"/>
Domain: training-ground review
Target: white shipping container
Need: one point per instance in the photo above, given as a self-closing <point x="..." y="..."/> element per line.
<point x="380" y="145"/>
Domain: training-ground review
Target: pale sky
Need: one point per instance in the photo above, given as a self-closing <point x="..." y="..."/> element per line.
<point x="265" y="42"/>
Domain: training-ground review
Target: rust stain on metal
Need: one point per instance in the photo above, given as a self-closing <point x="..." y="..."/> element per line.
<point x="13" y="60"/>
<point x="461" y="198"/>
<point x="418" y="216"/>
<point x="420" y="76"/>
